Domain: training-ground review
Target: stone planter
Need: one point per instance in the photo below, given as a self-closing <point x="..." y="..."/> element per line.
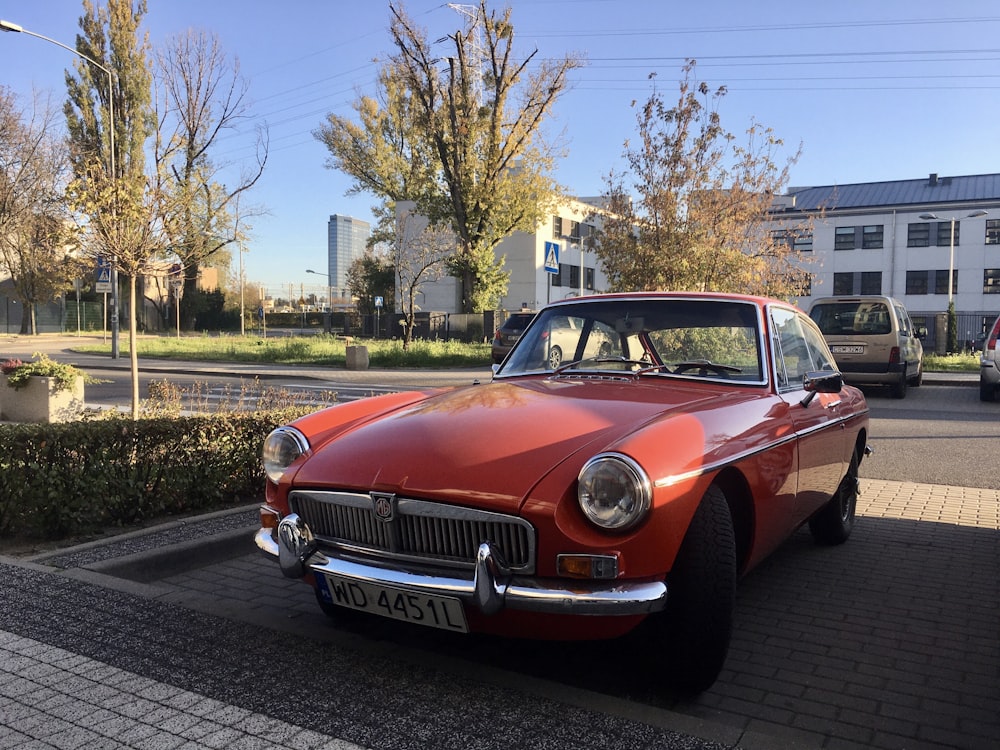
<point x="40" y="402"/>
<point x="357" y="357"/>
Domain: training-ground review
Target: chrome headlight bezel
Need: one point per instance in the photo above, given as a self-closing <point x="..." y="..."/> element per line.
<point x="282" y="447"/>
<point x="614" y="491"/>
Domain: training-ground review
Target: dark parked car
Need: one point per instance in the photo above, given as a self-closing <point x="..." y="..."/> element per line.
<point x="508" y="333"/>
<point x="681" y="440"/>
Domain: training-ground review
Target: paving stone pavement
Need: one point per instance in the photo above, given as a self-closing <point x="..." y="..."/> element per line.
<point x="889" y="641"/>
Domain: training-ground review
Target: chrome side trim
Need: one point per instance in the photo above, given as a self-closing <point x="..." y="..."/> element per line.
<point x="490" y="588"/>
<point x="708" y="468"/>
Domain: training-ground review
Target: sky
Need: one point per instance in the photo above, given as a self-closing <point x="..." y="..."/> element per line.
<point x="870" y="91"/>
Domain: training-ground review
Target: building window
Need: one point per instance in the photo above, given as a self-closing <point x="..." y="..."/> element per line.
<point x="918" y="235"/>
<point x="574" y="231"/>
<point x="941" y="282"/>
<point x="843" y="283"/>
<point x="916" y="281"/>
<point x="802" y="241"/>
<point x="993" y="231"/>
<point x="944" y="233"/>
<point x="844" y="238"/>
<point x="871" y="282"/>
<point x="991" y="281"/>
<point x="556" y="227"/>
<point x="871" y="237"/>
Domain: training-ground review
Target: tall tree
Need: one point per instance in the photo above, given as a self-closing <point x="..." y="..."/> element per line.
<point x="203" y="96"/>
<point x="479" y="164"/>
<point x="125" y="209"/>
<point x="700" y="220"/>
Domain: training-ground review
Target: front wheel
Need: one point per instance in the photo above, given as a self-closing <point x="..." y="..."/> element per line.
<point x="695" y="629"/>
<point x="898" y="388"/>
<point x="834" y="522"/>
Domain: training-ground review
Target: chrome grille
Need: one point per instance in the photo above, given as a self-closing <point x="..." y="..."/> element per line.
<point x="420" y="530"/>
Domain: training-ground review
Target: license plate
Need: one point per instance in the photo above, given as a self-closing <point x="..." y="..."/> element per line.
<point x="847" y="349"/>
<point x="420" y="609"/>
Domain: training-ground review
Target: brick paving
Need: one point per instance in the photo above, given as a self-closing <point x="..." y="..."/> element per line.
<point x="889" y="641"/>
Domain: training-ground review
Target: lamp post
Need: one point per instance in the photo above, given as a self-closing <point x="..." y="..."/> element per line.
<point x="329" y="299"/>
<point x="15" y="28"/>
<point x="951" y="250"/>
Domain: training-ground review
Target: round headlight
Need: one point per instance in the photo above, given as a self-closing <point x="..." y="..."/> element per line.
<point x="614" y="492"/>
<point x="281" y="448"/>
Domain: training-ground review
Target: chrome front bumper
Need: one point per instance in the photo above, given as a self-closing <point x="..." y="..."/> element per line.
<point x="490" y="589"/>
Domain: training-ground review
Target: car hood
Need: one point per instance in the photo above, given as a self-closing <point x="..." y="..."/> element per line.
<point x="488" y="445"/>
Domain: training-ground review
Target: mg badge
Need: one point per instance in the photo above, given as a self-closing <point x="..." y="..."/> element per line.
<point x="384" y="506"/>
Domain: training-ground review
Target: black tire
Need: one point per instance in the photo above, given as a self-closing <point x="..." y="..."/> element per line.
<point x="555" y="357"/>
<point x="834" y="522"/>
<point x="898" y="389"/>
<point x="696" y="627"/>
<point x="987" y="392"/>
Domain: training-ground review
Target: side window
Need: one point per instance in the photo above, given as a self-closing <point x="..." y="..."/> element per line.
<point x="793" y="357"/>
<point x="905" y="326"/>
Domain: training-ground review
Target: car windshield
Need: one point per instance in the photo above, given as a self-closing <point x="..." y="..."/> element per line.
<point x="852" y="318"/>
<point x="687" y="337"/>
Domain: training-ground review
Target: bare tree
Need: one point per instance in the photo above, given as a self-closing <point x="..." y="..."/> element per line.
<point x="203" y="96"/>
<point x="420" y="253"/>
<point x="700" y="220"/>
<point x="37" y="236"/>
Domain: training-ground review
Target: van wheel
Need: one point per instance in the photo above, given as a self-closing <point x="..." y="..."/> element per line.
<point x="898" y="389"/>
<point x="919" y="379"/>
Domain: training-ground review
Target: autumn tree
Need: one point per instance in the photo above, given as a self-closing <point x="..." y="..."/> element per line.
<point x="202" y="96"/>
<point x="420" y="253"/>
<point x="37" y="237"/>
<point x="691" y="210"/>
<point x="463" y="143"/>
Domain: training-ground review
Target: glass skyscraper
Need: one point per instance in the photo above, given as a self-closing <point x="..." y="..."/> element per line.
<point x="346" y="239"/>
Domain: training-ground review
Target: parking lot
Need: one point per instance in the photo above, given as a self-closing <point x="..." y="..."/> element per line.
<point x="889" y="641"/>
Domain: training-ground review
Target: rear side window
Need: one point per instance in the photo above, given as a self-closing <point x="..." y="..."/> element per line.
<point x="853" y="318"/>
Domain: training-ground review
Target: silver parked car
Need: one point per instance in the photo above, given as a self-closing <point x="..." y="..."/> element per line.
<point x="989" y="365"/>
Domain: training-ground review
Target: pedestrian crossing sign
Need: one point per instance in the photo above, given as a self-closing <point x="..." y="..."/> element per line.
<point x="552" y="257"/>
<point x="103" y="279"/>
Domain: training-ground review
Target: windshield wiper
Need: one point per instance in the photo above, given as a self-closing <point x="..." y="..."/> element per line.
<point x="647" y="367"/>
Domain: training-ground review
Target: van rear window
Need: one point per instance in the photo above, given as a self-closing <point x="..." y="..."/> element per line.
<point x="852" y="318"/>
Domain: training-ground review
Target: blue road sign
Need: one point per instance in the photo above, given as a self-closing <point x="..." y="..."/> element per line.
<point x="552" y="257"/>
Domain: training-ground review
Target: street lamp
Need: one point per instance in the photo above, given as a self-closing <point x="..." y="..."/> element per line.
<point x="951" y="253"/>
<point x="329" y="298"/>
<point x="15" y="28"/>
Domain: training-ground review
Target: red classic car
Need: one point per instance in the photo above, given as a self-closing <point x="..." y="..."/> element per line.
<point x="680" y="440"/>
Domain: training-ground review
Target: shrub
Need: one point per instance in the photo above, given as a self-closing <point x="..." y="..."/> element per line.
<point x="19" y="373"/>
<point x="59" y="480"/>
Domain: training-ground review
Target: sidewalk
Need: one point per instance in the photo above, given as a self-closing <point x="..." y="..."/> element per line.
<point x="889" y="641"/>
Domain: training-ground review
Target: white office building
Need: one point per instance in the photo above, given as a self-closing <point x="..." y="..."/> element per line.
<point x="904" y="239"/>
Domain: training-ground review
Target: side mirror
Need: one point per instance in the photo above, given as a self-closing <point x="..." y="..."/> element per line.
<point x="820" y="381"/>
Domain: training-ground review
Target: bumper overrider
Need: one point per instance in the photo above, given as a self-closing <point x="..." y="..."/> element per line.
<point x="490" y="589"/>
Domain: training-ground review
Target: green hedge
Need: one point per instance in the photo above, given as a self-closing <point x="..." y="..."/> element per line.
<point x="61" y="480"/>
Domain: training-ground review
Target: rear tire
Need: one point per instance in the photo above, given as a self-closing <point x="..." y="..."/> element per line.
<point x="695" y="629"/>
<point x="834" y="522"/>
<point x="987" y="392"/>
<point x="555" y="357"/>
<point x="898" y="389"/>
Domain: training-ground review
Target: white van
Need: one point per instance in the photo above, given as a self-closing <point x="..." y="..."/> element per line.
<point x="872" y="339"/>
